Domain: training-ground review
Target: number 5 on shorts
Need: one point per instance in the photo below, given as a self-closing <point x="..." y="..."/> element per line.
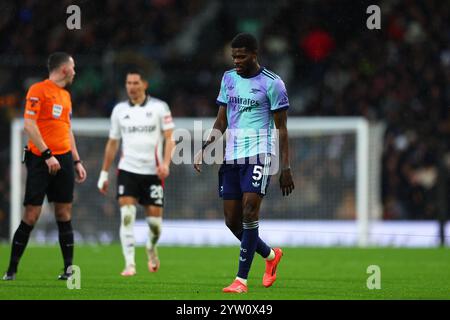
<point x="257" y="170"/>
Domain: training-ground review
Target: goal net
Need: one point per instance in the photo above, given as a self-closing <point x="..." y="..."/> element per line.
<point x="336" y="168"/>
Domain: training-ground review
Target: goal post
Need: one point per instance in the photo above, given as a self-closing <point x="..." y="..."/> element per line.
<point x="360" y="126"/>
<point x="337" y="162"/>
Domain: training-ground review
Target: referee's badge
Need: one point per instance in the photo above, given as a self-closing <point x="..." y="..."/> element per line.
<point x="57" y="110"/>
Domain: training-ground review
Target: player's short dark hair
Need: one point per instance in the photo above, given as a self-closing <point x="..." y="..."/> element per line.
<point x="136" y="70"/>
<point x="245" y="40"/>
<point x="56" y="59"/>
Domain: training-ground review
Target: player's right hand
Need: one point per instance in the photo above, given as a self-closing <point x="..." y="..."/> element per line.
<point x="102" y="183"/>
<point x="53" y="165"/>
<point x="198" y="158"/>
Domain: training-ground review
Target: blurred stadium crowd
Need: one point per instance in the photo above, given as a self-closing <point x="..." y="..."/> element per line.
<point x="331" y="63"/>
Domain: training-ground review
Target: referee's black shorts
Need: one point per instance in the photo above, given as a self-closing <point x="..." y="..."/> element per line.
<point x="58" y="188"/>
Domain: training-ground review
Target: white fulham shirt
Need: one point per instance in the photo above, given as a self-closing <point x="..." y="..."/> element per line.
<point x="141" y="128"/>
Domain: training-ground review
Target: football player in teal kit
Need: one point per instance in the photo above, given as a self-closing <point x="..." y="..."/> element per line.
<point x="253" y="103"/>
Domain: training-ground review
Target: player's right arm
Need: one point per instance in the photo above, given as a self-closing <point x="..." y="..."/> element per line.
<point x="32" y="110"/>
<point x="220" y="125"/>
<point x="110" y="152"/>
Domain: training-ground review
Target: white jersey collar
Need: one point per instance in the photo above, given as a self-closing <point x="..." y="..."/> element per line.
<point x="141" y="105"/>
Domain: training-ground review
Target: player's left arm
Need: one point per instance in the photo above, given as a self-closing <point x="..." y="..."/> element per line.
<point x="79" y="169"/>
<point x="169" y="145"/>
<point x="279" y="104"/>
<point x="286" y="181"/>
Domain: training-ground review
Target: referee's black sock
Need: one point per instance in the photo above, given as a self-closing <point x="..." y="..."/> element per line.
<point x="66" y="242"/>
<point x="19" y="243"/>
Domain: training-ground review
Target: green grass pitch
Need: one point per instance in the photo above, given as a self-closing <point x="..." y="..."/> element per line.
<point x="201" y="272"/>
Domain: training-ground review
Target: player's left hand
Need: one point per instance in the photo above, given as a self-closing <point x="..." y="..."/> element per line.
<point x="286" y="182"/>
<point x="162" y="171"/>
<point x="81" y="173"/>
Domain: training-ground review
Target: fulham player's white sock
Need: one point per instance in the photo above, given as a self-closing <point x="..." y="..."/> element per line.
<point x="128" y="216"/>
<point x="155" y="226"/>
